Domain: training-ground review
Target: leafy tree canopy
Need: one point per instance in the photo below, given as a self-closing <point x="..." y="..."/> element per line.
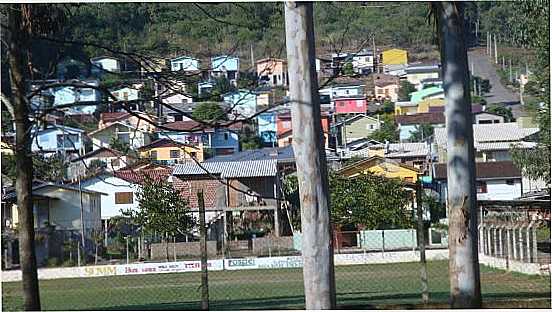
<point x="501" y="110"/>
<point x="388" y="130"/>
<point x="161" y="209"/>
<point x="209" y="111"/>
<point x="370" y="201"/>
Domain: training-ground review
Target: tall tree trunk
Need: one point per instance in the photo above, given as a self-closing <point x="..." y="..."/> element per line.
<point x="317" y="250"/>
<point x="18" y="45"/>
<point x="465" y="285"/>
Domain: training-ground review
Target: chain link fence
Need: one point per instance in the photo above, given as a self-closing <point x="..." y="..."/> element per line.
<point x="373" y="268"/>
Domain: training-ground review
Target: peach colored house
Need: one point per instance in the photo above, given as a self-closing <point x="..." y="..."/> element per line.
<point x="274" y="71"/>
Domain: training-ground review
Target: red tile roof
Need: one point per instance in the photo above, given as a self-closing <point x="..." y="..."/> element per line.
<point x="111" y="117"/>
<point x="139" y="176"/>
<point x="422" y="118"/>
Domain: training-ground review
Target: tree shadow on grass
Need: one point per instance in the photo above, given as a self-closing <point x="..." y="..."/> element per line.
<point x="355" y="300"/>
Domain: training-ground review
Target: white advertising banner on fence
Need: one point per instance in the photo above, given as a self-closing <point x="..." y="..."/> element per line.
<point x="263" y="263"/>
<point x="220" y="264"/>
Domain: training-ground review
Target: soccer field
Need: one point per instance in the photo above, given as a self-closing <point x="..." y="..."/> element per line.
<point x="357" y="286"/>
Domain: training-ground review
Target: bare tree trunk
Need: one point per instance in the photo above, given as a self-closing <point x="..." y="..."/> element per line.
<point x="317" y="250"/>
<point x="18" y="43"/>
<point x="461" y="202"/>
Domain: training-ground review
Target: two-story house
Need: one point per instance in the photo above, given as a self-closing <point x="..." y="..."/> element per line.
<point x="216" y="141"/>
<point x="273" y="71"/>
<point x="58" y="139"/>
<point x="242" y="102"/>
<point x="169" y="152"/>
<point x="227" y="66"/>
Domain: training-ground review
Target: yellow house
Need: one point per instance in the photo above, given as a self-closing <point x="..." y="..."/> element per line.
<point x="423" y="106"/>
<point x="394" y="57"/>
<point x="167" y="151"/>
<point x="380" y="166"/>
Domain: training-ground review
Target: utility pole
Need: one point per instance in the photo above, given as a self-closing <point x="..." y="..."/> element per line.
<point x="312" y="174"/>
<point x="203" y="244"/>
<point x="18" y="40"/>
<point x="488" y="44"/>
<point x="495" y="50"/>
<point x="253" y="69"/>
<point x="510" y="66"/>
<point x="465" y="286"/>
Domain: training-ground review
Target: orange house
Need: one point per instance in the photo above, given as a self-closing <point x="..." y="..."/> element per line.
<point x="284" y="130"/>
<point x="274" y="71"/>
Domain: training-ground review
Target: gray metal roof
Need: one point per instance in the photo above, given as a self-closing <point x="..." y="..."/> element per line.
<point x="281" y="154"/>
<point x="229" y="169"/>
<point x="499" y="132"/>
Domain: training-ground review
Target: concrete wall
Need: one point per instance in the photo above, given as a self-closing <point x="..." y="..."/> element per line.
<point x="263" y="244"/>
<point x="158" y="251"/>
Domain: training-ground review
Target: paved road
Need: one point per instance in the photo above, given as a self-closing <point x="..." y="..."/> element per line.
<point x="483" y="68"/>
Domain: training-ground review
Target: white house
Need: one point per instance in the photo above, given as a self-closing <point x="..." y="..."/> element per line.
<point x="111" y="160"/>
<point x="499" y="180"/>
<point x="184" y="63"/>
<point x="58" y="139"/>
<point x="127" y="93"/>
<point x="120" y="195"/>
<point x="105" y="63"/>
<point x="124" y="132"/>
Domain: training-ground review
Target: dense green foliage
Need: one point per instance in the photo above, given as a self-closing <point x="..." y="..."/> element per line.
<point x="167" y="29"/>
<point x="208" y="111"/>
<point x="501" y="110"/>
<point x="50" y="168"/>
<point x="367" y="200"/>
<point x="531" y="28"/>
<point x="405" y="88"/>
<point x="161" y="209"/>
<point x="388" y="130"/>
<point x="422" y="132"/>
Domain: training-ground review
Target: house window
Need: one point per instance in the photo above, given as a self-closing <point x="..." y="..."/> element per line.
<point x="226" y="137"/>
<point x="67" y="140"/>
<point x="481" y="187"/>
<point x="510" y="181"/>
<point x="124" y="137"/>
<point x="181" y="66"/>
<point x="175" y="153"/>
<point x="123" y="198"/>
<point x="274" y="79"/>
<point x="286" y="124"/>
<point x="193" y="155"/>
<point x="380" y="91"/>
<point x="289" y="140"/>
<point x="370" y="127"/>
<point x="125" y="96"/>
<point x="153" y="154"/>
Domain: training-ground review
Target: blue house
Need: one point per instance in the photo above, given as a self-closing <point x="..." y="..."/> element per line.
<point x="58" y="139"/>
<point x="227" y="66"/>
<point x="185" y="63"/>
<point x="221" y="141"/>
<point x="67" y="95"/>
<point x="243" y="102"/>
<point x="266" y="125"/>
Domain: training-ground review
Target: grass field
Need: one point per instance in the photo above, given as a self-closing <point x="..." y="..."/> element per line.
<point x="358" y="286"/>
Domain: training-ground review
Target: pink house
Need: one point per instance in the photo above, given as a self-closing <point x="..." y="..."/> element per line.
<point x="350" y="105"/>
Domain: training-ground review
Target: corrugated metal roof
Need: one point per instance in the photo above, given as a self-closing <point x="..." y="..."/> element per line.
<point x="230" y="169"/>
<point x="499" y="132"/>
